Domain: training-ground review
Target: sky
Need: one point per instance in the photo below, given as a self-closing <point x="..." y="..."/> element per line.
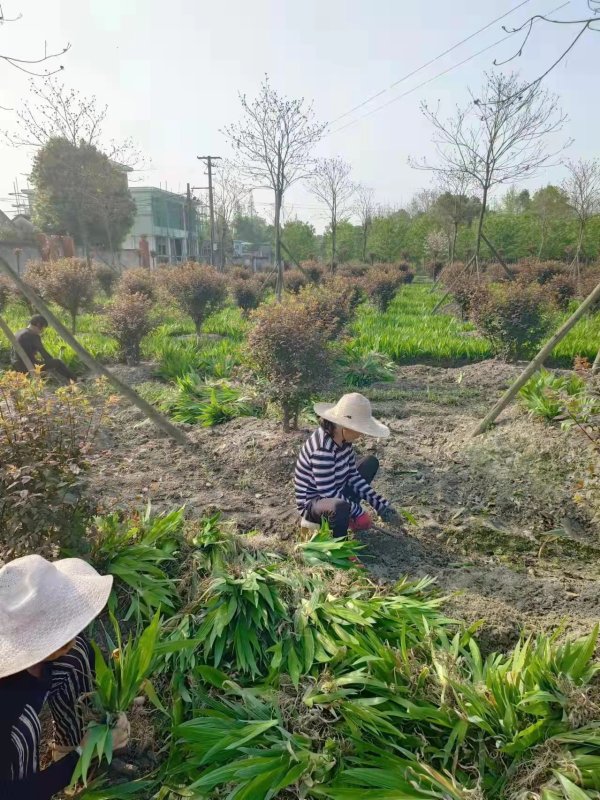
<point x="171" y="72"/>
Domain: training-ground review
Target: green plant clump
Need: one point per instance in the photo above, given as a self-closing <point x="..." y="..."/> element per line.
<point x="281" y="676"/>
<point x="545" y="394"/>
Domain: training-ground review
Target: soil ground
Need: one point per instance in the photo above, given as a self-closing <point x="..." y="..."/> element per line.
<point x="492" y="519"/>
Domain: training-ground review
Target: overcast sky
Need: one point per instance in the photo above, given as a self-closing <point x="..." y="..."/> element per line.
<point x="171" y="70"/>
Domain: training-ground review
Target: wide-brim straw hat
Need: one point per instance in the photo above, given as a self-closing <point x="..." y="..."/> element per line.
<point x="43" y="605"/>
<point x="353" y="411"/>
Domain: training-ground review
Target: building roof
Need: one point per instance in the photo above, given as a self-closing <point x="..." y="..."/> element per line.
<point x="139" y="189"/>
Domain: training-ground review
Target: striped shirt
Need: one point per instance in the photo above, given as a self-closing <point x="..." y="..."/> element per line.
<point x="22" y="697"/>
<point x="325" y="469"/>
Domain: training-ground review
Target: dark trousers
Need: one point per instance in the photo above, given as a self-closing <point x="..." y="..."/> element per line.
<point x="337" y="510"/>
<point x="51" y="366"/>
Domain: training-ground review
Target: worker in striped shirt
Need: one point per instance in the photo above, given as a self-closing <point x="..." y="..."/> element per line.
<point x="329" y="483"/>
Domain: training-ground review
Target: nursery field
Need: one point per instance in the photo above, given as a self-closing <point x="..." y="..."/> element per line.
<point x="406" y="333"/>
<point x="255" y="662"/>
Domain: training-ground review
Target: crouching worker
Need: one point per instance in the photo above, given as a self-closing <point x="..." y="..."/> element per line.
<point x="30" y="339"/>
<point x="44" y="607"/>
<point x="329" y="482"/>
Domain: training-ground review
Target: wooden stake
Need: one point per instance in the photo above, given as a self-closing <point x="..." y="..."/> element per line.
<point x="449" y="292"/>
<point x="18" y="349"/>
<point x="537" y="362"/>
<point x="495" y="253"/>
<point x="596" y="364"/>
<point x="150" y="412"/>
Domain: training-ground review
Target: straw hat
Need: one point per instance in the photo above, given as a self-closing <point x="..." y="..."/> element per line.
<point x="353" y="411"/>
<point x="43" y="605"/>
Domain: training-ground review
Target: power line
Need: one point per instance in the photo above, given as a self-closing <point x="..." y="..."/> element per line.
<point x="428" y="63"/>
<point x="433" y="78"/>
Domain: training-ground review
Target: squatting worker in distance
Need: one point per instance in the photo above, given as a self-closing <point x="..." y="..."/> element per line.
<point x="30" y="339"/>
<point x="329" y="482"/>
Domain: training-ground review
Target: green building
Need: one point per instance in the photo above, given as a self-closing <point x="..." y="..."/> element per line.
<point x="162" y="217"/>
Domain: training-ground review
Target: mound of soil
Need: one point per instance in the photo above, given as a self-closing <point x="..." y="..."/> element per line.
<point x="493" y="518"/>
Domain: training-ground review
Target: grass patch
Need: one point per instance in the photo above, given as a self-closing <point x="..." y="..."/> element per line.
<point x="409" y="333"/>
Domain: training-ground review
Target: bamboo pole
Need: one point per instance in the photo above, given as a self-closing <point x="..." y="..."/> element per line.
<point x="497" y="255"/>
<point x="596" y="364"/>
<point x="18" y="349"/>
<point x="537" y="362"/>
<point x="449" y="292"/>
<point x="123" y="389"/>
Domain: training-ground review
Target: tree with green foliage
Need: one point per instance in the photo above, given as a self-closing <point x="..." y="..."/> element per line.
<point x="387" y="240"/>
<point x="349" y="242"/>
<point x="454" y="208"/>
<point x="516" y="202"/>
<point x="79" y="191"/>
<point x="252" y="229"/>
<point x="549" y="205"/>
<point x="299" y="239"/>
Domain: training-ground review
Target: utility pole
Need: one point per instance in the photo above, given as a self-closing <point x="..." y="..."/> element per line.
<point x="189" y="221"/>
<point x="211" y="205"/>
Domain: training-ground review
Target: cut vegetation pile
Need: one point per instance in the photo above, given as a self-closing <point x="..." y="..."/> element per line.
<point x="278" y="675"/>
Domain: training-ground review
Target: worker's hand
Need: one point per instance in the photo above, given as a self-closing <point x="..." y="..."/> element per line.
<point x="121" y="733"/>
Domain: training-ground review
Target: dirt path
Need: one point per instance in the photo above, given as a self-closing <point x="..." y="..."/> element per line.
<point x="482" y="508"/>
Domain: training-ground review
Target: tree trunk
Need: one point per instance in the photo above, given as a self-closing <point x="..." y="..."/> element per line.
<point x="333" y="243"/>
<point x="480" y="225"/>
<point x="145" y="407"/>
<point x="364" y="242"/>
<point x="278" y="261"/>
<point x="537" y="362"/>
<point x="579" y="242"/>
<point x="542" y="240"/>
<point x="286" y="417"/>
<point x="73" y="321"/>
<point x="454" y="238"/>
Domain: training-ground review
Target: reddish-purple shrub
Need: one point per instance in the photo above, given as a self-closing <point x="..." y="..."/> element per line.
<point x="511" y="316"/>
<point x="128" y="321"/>
<point x="198" y="289"/>
<point x="246" y="293"/>
<point x="68" y="282"/>
<point x="294" y="280"/>
<point x="290" y="354"/>
<point x="107" y="278"/>
<point x="138" y="281"/>
<point x="314" y="271"/>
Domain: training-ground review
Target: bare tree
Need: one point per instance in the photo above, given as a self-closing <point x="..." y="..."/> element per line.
<point x="583" y="24"/>
<point x="30" y="66"/>
<point x="422" y="202"/>
<point x="365" y="208"/>
<point x="498" y="138"/>
<point x="582" y="188"/>
<point x="228" y="193"/>
<point x="274" y="143"/>
<point x="454" y="207"/>
<point x="332" y="185"/>
<point x="54" y="111"/>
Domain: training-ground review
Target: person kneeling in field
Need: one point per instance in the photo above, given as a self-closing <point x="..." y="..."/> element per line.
<point x="329" y="482"/>
<point x="30" y="339"/>
<point x="44" y="607"/>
